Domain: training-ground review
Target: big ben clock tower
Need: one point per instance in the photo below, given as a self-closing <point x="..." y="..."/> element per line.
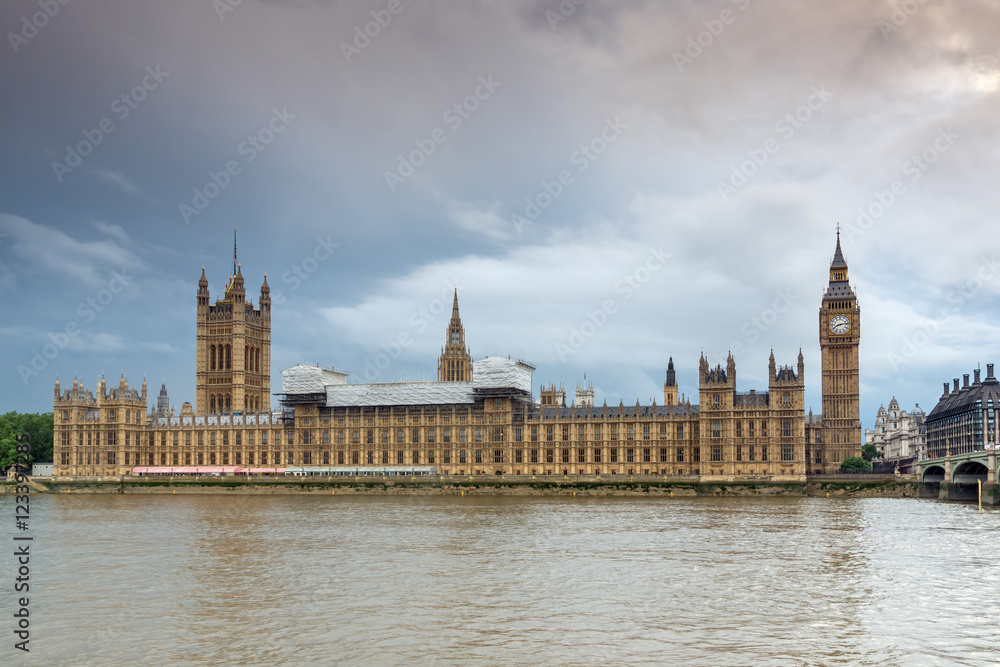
<point x="839" y="335"/>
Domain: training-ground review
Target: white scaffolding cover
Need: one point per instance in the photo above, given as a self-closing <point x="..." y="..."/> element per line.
<point x="304" y="379"/>
<point x="501" y="373"/>
<point x="489" y="373"/>
<point x="399" y="393"/>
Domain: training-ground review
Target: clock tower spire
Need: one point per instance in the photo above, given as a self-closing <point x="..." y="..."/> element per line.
<point x="839" y="336"/>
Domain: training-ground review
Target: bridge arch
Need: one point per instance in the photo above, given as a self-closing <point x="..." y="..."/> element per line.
<point x="969" y="472"/>
<point x="933" y="473"/>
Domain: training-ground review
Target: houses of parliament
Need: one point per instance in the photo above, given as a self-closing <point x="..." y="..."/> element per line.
<point x="479" y="417"/>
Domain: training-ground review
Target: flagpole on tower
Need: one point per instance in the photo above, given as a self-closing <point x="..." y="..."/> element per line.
<point x="234" y="251"/>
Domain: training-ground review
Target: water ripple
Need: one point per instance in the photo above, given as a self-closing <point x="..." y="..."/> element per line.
<point x="306" y="580"/>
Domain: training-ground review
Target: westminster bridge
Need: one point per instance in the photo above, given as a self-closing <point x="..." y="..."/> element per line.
<point x="957" y="476"/>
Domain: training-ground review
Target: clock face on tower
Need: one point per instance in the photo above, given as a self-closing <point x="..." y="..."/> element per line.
<point x="840" y="324"/>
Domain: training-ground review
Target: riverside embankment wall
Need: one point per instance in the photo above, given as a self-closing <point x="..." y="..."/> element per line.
<point x="872" y="486"/>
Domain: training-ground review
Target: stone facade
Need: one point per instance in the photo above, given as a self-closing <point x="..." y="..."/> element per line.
<point x="479" y="418"/>
<point x="839" y="337"/>
<point x="898" y="434"/>
<point x="233" y="363"/>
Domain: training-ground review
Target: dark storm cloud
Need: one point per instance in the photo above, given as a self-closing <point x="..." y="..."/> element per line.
<point x="747" y="131"/>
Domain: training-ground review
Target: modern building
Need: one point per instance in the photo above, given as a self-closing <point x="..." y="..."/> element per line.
<point x="41" y="470"/>
<point x="480" y="417"/>
<point x="964" y="419"/>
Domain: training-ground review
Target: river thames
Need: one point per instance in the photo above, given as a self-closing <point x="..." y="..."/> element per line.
<point x="317" y="580"/>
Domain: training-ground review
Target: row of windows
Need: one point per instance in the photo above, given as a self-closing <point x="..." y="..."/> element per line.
<point x="614" y="455"/>
<point x="110" y="415"/>
<point x="786" y="399"/>
<point x="614" y="432"/>
<point x="224" y="403"/>
<point x="462" y="456"/>
<point x="428" y="435"/>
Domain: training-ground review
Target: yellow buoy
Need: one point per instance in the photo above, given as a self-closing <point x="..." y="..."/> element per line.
<point x="463" y="493"/>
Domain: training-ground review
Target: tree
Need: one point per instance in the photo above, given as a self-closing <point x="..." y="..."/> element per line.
<point x="39" y="430"/>
<point x="10" y="428"/>
<point x="855" y="464"/>
<point x="870" y="452"/>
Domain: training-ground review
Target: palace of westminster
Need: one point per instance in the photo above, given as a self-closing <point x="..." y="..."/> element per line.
<point x="479" y="417"/>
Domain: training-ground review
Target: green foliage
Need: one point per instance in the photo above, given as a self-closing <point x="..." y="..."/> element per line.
<point x="870" y="452"/>
<point x="39" y="430"/>
<point x="855" y="464"/>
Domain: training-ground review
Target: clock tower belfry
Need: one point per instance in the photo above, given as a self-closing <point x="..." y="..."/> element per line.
<point x="839" y="335"/>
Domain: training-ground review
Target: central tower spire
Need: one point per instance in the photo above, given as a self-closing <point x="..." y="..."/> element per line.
<point x="455" y="363"/>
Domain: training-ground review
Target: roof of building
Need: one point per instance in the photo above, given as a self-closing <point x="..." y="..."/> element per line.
<point x="501" y="373"/>
<point x="838" y="255"/>
<point x="488" y="375"/>
<point x="838" y="289"/>
<point x="310" y="379"/>
<point x="399" y="393"/>
<point x="965" y="398"/>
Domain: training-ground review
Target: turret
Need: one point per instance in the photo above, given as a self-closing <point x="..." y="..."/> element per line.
<point x="552" y="397"/>
<point x="670" y="385"/>
<point x="236" y="290"/>
<point x="163" y="401"/>
<point x="584" y="396"/>
<point x="203" y="290"/>
<point x="265" y="297"/>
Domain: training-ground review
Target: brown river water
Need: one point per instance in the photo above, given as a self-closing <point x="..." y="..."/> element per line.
<point x="318" y="580"/>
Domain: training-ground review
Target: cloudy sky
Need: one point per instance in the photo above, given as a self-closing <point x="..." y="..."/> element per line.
<point x="607" y="183"/>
